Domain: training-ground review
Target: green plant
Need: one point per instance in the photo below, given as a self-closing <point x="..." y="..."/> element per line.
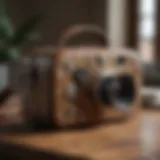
<point x="11" y="39"/>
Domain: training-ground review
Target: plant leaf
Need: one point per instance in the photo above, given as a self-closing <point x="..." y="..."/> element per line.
<point x="9" y="54"/>
<point x="2" y="7"/>
<point x="6" y="28"/>
<point x="22" y="33"/>
<point x="13" y="53"/>
<point x="4" y="56"/>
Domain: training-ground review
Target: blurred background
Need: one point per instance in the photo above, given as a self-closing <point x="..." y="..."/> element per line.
<point x="34" y="27"/>
<point x="133" y="24"/>
<point x="30" y="27"/>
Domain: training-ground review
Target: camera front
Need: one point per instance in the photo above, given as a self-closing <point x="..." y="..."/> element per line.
<point x="95" y="84"/>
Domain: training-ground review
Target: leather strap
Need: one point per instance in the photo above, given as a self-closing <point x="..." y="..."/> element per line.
<point x="77" y="30"/>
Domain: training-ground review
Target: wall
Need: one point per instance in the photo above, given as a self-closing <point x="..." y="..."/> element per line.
<point x="59" y="14"/>
<point x="117" y="22"/>
<point x="122" y="23"/>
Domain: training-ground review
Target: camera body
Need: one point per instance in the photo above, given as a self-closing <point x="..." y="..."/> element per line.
<point x="74" y="85"/>
<point x="93" y="84"/>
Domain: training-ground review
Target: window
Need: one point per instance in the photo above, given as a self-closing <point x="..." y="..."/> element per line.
<point x="146" y="29"/>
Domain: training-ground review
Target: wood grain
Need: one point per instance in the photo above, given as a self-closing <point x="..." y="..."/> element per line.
<point x="67" y="60"/>
<point x="135" y="139"/>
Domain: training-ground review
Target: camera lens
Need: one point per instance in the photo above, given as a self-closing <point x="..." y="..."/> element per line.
<point x="107" y="88"/>
<point x="116" y="90"/>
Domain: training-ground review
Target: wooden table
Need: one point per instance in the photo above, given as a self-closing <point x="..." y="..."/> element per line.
<point x="131" y="140"/>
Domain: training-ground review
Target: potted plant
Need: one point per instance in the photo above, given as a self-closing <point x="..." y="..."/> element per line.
<point x="11" y="41"/>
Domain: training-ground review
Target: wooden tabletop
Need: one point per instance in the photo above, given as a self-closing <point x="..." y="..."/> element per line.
<point x="132" y="140"/>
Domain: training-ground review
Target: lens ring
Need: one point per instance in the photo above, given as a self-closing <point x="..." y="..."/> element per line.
<point x="111" y="95"/>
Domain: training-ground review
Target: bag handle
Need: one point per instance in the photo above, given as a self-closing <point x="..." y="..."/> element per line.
<point x="79" y="29"/>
